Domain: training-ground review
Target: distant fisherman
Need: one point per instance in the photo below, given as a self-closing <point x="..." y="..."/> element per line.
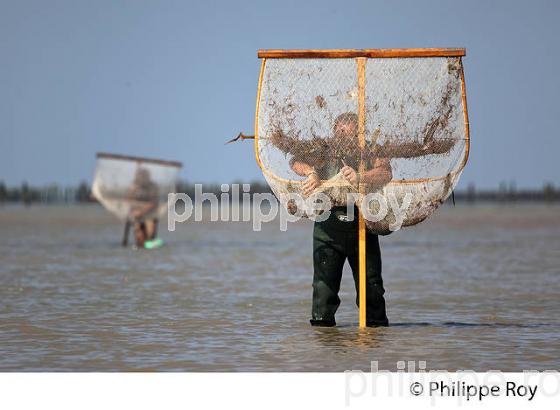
<point x="143" y="197"/>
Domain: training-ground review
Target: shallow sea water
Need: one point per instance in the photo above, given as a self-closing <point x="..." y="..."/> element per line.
<point x="474" y="287"/>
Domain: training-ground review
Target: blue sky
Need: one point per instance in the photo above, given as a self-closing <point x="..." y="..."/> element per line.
<point x="175" y="79"/>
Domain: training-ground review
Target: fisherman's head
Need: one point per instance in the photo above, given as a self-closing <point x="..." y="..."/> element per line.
<point x="346" y="125"/>
<point x="142" y="176"/>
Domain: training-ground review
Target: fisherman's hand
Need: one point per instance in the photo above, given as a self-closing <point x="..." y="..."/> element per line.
<point x="350" y="174"/>
<point x="311" y="183"/>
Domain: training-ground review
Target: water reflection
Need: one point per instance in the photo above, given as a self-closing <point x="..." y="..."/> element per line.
<point x="349" y="337"/>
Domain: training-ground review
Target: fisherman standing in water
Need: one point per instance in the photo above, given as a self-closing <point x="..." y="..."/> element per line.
<point x="336" y="239"/>
<point x="143" y="197"/>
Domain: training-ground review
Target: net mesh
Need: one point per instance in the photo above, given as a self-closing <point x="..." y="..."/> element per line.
<point x="309" y="124"/>
<point x="134" y="189"/>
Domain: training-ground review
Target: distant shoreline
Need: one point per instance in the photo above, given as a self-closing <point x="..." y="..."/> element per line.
<point x="54" y="194"/>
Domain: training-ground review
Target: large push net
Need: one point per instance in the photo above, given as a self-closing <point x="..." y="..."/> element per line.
<point x="134" y="188"/>
<point x="398" y="123"/>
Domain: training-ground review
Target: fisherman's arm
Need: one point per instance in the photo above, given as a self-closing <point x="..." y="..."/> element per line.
<point x="306" y="170"/>
<point x="143" y="208"/>
<point x="379" y="175"/>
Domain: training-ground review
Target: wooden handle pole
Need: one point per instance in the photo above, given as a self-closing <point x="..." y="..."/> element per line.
<point x="361" y="61"/>
<point x="126" y="232"/>
<point x="362" y="268"/>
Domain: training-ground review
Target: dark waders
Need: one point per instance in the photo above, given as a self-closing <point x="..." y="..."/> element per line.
<point x="334" y="241"/>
